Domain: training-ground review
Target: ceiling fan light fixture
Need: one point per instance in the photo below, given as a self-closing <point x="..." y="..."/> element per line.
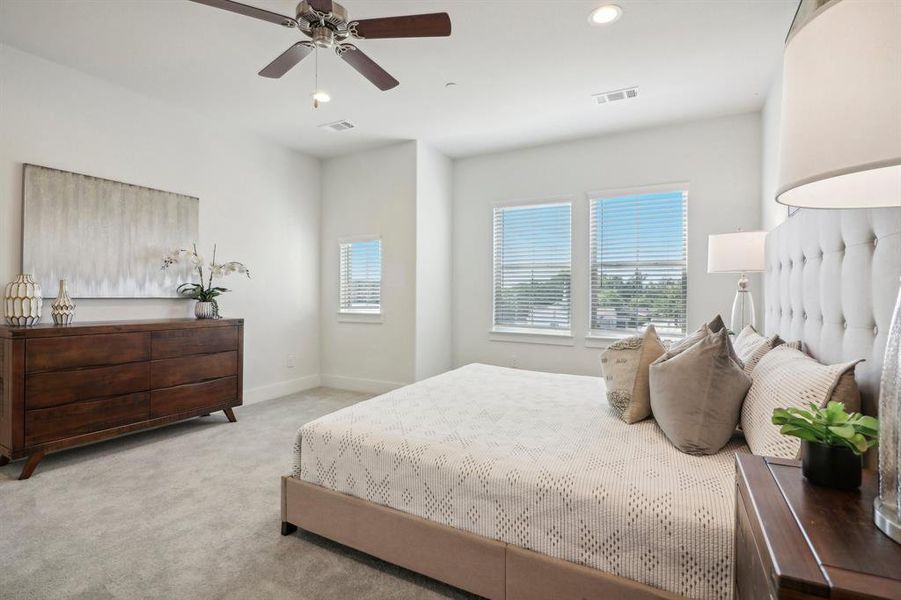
<point x="606" y="14"/>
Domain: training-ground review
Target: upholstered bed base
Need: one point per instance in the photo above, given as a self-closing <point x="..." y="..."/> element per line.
<point x="470" y="562"/>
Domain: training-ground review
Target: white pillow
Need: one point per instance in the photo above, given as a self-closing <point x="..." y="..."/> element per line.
<point x="787" y="377"/>
<point x="751" y="346"/>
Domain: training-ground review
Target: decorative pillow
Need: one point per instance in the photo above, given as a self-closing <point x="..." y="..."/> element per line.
<point x="787" y="377"/>
<point x="794" y="345"/>
<point x="751" y="346"/>
<point x="696" y="395"/>
<point x="714" y="326"/>
<point x="624" y="365"/>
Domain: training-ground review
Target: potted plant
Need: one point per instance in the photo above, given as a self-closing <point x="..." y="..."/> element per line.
<point x="832" y="442"/>
<point x="204" y="291"/>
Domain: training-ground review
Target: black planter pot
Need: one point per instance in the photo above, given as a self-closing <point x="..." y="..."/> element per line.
<point x="830" y="466"/>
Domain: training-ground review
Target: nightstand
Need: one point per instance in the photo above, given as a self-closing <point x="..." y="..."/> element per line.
<point x="797" y="540"/>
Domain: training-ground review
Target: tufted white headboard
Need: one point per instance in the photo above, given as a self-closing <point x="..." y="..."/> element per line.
<point x="831" y="281"/>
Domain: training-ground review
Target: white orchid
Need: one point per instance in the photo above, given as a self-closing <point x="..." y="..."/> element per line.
<point x="200" y="291"/>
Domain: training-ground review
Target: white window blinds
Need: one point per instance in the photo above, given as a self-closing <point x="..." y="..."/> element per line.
<point x="638" y="264"/>
<point x="532" y="263"/>
<point x="361" y="277"/>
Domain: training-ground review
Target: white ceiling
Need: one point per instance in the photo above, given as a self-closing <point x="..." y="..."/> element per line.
<point x="525" y="69"/>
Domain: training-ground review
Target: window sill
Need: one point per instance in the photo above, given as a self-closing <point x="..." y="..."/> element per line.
<point x="602" y="341"/>
<point x="532" y="336"/>
<point x="360" y="317"/>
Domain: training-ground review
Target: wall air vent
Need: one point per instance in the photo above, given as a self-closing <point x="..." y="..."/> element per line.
<point x="338" y="126"/>
<point x="623" y="94"/>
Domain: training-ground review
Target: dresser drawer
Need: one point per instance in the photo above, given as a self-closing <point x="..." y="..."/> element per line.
<point x="43" y="390"/>
<point x="193" y="369"/>
<point x="52" y="354"/>
<point x="60" y="422"/>
<point x="185" y="398"/>
<point x="185" y="342"/>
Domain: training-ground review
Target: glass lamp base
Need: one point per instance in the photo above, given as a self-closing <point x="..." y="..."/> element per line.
<point x="743" y="311"/>
<point x="887" y="509"/>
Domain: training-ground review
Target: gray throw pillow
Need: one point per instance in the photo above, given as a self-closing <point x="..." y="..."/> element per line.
<point x="696" y="395"/>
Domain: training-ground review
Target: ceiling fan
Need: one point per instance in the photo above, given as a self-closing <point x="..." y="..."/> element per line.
<point x="326" y="24"/>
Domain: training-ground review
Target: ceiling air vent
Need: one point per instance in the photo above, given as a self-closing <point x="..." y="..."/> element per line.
<point x="623" y="94"/>
<point x="338" y="126"/>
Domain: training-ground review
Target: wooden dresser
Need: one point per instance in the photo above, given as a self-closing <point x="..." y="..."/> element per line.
<point x="797" y="540"/>
<point x="65" y="386"/>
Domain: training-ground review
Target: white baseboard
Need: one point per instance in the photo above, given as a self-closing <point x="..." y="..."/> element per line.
<point x="356" y="384"/>
<point x="282" y="388"/>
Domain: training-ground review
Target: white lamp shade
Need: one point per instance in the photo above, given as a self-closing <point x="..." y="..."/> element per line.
<point x="741" y="252"/>
<point x="841" y="108"/>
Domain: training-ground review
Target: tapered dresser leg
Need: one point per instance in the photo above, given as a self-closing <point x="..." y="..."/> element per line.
<point x="230" y="414"/>
<point x="31" y="464"/>
<point x="4" y="460"/>
<point x="288" y="528"/>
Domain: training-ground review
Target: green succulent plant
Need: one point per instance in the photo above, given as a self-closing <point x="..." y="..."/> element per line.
<point x="831" y="426"/>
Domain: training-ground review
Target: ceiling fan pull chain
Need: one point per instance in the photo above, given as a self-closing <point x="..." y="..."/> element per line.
<point x="316" y="79"/>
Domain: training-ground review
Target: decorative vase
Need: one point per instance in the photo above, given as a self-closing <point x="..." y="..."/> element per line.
<point x="887" y="514"/>
<point x="62" y="309"/>
<point x="205" y="310"/>
<point x="830" y="466"/>
<point x="23" y="301"/>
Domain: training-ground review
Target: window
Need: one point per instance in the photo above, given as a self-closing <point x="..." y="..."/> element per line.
<point x="361" y="277"/>
<point x="532" y="258"/>
<point x="638" y="264"/>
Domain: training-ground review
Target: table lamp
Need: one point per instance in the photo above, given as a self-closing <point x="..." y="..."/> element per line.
<point x="740" y="252"/>
<point x="841" y="148"/>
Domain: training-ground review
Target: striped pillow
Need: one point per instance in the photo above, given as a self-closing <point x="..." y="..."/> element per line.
<point x="751" y="346"/>
<point x="787" y="377"/>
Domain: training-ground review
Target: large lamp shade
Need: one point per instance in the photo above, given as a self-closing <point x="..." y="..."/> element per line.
<point x="841" y="108"/>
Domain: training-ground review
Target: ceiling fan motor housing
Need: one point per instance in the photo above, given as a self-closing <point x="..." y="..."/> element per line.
<point x="308" y="17"/>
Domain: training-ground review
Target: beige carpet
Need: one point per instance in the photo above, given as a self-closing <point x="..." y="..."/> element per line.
<point x="186" y="511"/>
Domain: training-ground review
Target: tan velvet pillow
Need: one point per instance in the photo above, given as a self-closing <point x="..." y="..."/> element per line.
<point x="787" y="377"/>
<point x="714" y="326"/>
<point x="624" y="365"/>
<point x="696" y="395"/>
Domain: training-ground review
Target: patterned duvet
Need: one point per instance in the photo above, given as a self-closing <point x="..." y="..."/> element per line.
<point x="540" y="461"/>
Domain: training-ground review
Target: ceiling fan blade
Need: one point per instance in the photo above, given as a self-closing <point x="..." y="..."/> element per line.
<point x="365" y="66"/>
<point x="250" y="11"/>
<point x="323" y="6"/>
<point x="287" y="59"/>
<point x="429" y="25"/>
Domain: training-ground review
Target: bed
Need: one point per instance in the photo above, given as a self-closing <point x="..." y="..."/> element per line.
<point x="516" y="484"/>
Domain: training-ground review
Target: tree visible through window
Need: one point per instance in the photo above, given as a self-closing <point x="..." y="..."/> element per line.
<point x="361" y="277"/>
<point x="638" y="264"/>
<point x="532" y="267"/>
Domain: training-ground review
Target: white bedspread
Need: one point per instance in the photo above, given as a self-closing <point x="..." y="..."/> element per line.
<point x="539" y="461"/>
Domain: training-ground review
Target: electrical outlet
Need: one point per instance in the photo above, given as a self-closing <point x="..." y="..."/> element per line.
<point x="514" y="362"/>
<point x="290" y="361"/>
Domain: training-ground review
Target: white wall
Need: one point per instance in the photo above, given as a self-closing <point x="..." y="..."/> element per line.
<point x="258" y="201"/>
<point x="434" y="217"/>
<point x="371" y="193"/>
<point x="719" y="158"/>
<point x="771" y="212"/>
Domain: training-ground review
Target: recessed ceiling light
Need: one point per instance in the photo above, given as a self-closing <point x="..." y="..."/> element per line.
<point x="606" y="14"/>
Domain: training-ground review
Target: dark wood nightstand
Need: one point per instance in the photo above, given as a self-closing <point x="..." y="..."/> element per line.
<point x="797" y="540"/>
